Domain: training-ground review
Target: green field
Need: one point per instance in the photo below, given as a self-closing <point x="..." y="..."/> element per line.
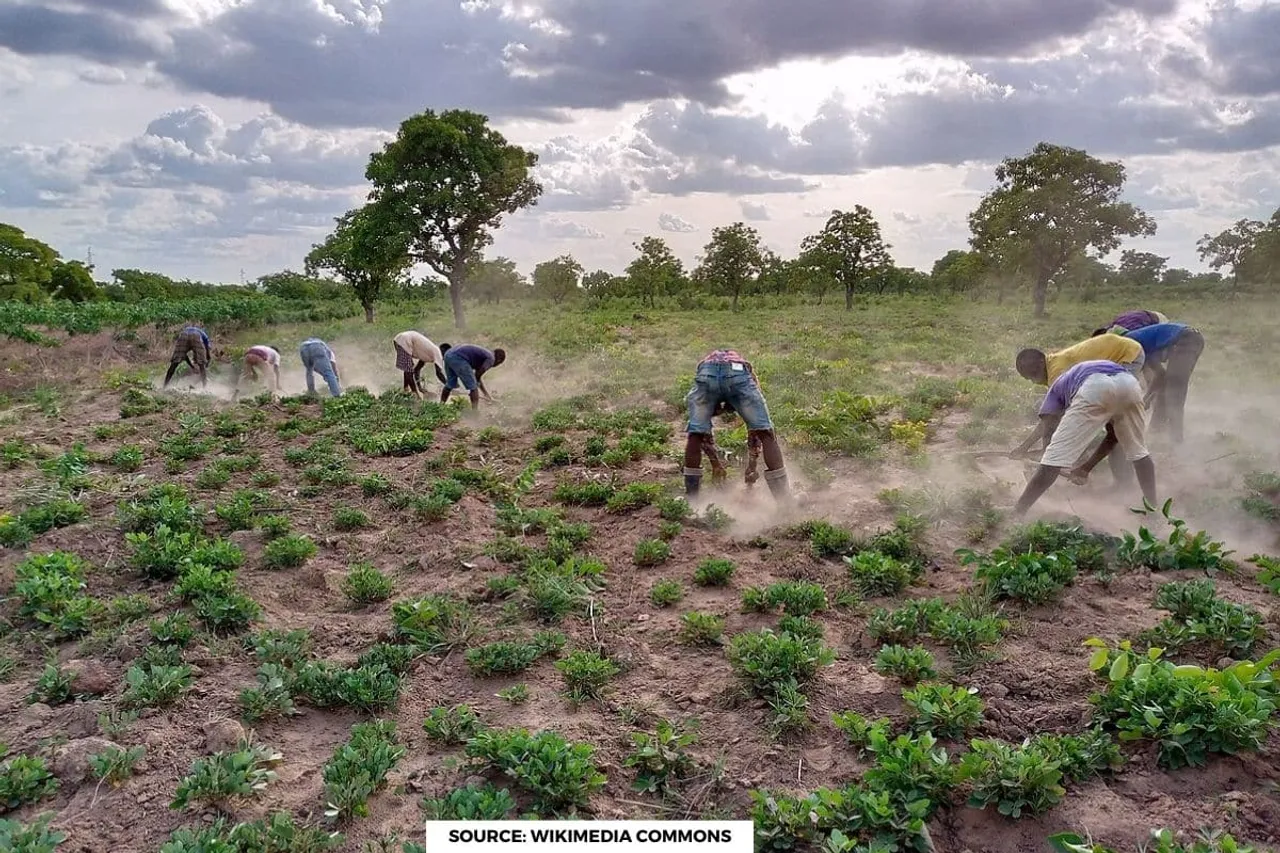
<point x="263" y="622"/>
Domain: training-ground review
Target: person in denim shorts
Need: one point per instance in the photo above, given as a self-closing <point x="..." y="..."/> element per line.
<point x="467" y="365"/>
<point x="726" y="380"/>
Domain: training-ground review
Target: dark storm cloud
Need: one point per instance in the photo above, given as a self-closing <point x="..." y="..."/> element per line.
<point x="358" y="62"/>
<point x="1243" y="46"/>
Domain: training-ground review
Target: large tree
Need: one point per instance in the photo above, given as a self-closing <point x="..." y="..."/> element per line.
<point x="73" y="281"/>
<point x="495" y="280"/>
<point x="1050" y="206"/>
<point x="133" y="285"/>
<point x="447" y="179"/>
<point x="601" y="284"/>
<point x="731" y="260"/>
<point x="368" y="250"/>
<point x="849" y="250"/>
<point x="655" y="272"/>
<point x="959" y="271"/>
<point x="26" y="266"/>
<point x="557" y="279"/>
<point x="1247" y="248"/>
<point x="1142" y="268"/>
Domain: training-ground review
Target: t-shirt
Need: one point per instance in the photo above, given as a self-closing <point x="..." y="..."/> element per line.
<point x="723" y="356"/>
<point x="1155" y="339"/>
<point x="327" y="348"/>
<point x="1106" y="347"/>
<point x="264" y="352"/>
<point x="1064" y="390"/>
<point x="419" y="346"/>
<point x="199" y="331"/>
<point x="479" y="358"/>
<point x="1132" y="320"/>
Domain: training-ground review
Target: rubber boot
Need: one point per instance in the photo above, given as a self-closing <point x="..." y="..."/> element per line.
<point x="777" y="480"/>
<point x="692" y="482"/>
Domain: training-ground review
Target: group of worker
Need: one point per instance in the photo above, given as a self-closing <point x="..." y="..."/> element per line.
<point x="1096" y="384"/>
<point x="463" y="365"/>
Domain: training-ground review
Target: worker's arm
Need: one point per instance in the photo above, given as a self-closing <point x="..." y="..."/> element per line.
<point x="275" y="369"/>
<point x="1049" y="425"/>
<point x="1031" y="439"/>
<point x="334" y="365"/>
<point x="483" y="390"/>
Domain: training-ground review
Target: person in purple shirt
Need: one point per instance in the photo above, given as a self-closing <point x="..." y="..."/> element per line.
<point x="1131" y="321"/>
<point x="1172" y="351"/>
<point x="467" y="364"/>
<point x="1090" y="395"/>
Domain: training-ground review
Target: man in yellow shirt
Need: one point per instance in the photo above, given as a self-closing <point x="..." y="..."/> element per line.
<point x="1034" y="365"/>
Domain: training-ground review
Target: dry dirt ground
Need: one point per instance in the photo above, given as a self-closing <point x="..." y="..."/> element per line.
<point x="1038" y="682"/>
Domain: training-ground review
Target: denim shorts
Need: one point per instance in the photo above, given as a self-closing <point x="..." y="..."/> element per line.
<point x="458" y="369"/>
<point x="729" y="383"/>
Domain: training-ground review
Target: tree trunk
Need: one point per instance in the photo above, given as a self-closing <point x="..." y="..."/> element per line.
<point x="848" y="297"/>
<point x="456" y="277"/>
<point x="1041" y="291"/>
<point x="735" y="300"/>
<point x="368" y="312"/>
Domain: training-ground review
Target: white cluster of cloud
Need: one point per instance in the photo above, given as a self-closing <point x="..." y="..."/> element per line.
<point x="257" y="116"/>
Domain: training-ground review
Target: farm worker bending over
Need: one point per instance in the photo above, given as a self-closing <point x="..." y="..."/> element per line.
<point x="261" y="356"/>
<point x="1131" y="321"/>
<point x="1172" y="350"/>
<point x="318" y="358"/>
<point x="1043" y="369"/>
<point x="193" y="341"/>
<point x="724" y="379"/>
<point x="411" y="346"/>
<point x="466" y="364"/>
<point x="1090" y="395"/>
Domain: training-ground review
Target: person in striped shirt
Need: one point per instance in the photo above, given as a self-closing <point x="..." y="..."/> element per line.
<point x="725" y="380"/>
<point x="261" y="356"/>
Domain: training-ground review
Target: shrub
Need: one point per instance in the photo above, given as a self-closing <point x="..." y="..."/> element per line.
<point x="364" y="584"/>
<point x="651" y="552"/>
<point x="359" y="769"/>
<point x="454" y="725"/>
<point x="908" y="665"/>
<point x="559" y="776"/>
<point x="714" y="572"/>
<point x="585" y="674"/>
<point x="701" y="629"/>
<point x="947" y="711"/>
<point x="666" y="593"/>
<point x="288" y="552"/>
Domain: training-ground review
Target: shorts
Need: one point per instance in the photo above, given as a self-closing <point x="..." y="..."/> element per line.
<point x="404" y="361"/>
<point x="730" y="383"/>
<point x="1114" y="399"/>
<point x="190" y="342"/>
<point x="458" y="369"/>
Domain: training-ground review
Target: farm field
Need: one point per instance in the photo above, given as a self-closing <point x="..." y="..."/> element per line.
<point x="324" y="621"/>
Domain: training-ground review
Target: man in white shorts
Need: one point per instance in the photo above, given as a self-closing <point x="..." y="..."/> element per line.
<point x="1090" y="395"/>
<point x="414" y="346"/>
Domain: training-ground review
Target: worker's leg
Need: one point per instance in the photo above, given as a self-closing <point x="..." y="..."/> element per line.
<point x="180" y="349"/>
<point x="1183" y="357"/>
<point x="325" y="367"/>
<point x="747" y="400"/>
<point x="1071" y="440"/>
<point x="700" y="402"/>
<point x="1130" y="427"/>
<point x="308" y="364"/>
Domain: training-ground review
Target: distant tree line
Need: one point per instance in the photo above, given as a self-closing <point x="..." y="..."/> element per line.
<point x="441" y="188"/>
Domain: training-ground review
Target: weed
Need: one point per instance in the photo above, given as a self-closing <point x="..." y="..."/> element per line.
<point x="714" y="572"/>
<point x="701" y="629"/>
<point x="1180" y="550"/>
<point x="227" y="776"/>
<point x="949" y="712"/>
<point x="359" y="768"/>
<point x="660" y="759"/>
<point x="155" y="685"/>
<point x="115" y="764"/>
<point x="516" y="694"/>
<point x="53" y="687"/>
<point x="908" y="665"/>
<point x="585" y="674"/>
<point x="875" y="574"/>
<point x="288" y="552"/>
<point x="666" y="593"/>
<point x="474" y="802"/>
<point x="796" y="598"/>
<point x="24" y="779"/>
<point x="433" y="623"/>
<point x="558" y="775"/>
<point x="508" y="658"/>
<point x="651" y="552"/>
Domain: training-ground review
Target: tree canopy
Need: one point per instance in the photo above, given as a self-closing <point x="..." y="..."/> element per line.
<point x="733" y="258"/>
<point x="848" y="251"/>
<point x="367" y="250"/>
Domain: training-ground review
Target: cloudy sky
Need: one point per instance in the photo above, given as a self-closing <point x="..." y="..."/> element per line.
<point x="202" y="138"/>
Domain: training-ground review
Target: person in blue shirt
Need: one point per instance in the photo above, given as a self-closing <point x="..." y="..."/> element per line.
<point x="467" y="364"/>
<point x="1172" y="351"/>
<point x="191" y="343"/>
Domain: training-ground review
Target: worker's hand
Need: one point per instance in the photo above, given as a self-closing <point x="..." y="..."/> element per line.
<point x="1076" y="476"/>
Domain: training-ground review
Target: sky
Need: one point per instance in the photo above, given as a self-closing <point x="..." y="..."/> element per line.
<point x="215" y="139"/>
